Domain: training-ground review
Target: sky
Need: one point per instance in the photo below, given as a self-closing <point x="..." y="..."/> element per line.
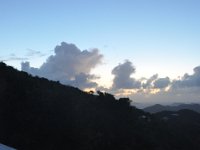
<point x="143" y="49"/>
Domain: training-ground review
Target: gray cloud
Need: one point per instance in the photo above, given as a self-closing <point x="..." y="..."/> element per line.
<point x="155" y="82"/>
<point x="190" y="95"/>
<point x="83" y="80"/>
<point x="188" y="81"/>
<point x="185" y="90"/>
<point x="149" y="82"/>
<point x="161" y="83"/>
<point x="69" y="65"/>
<point x="25" y="66"/>
<point x="122" y="79"/>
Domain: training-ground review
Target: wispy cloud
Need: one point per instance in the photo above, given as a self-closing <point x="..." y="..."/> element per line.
<point x="32" y="53"/>
<point x="13" y="57"/>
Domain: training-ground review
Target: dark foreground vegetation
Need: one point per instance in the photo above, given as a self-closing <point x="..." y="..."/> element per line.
<point x="38" y="114"/>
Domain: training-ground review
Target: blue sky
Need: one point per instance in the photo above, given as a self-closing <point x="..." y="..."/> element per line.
<point x="157" y="36"/>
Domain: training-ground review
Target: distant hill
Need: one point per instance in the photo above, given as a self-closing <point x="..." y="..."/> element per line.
<point x="38" y="114"/>
<point x="158" y="108"/>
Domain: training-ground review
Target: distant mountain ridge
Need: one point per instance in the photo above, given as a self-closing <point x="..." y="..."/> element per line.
<point x="158" y="108"/>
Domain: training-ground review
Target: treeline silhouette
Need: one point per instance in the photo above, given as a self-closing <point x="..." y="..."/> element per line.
<point x="38" y="114"/>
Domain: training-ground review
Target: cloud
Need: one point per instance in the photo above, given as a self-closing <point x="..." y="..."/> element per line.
<point x="179" y="95"/>
<point x="25" y="66"/>
<point x="149" y="82"/>
<point x="184" y="90"/>
<point x="188" y="81"/>
<point x="31" y="53"/>
<point x="122" y="79"/>
<point x="156" y="83"/>
<point x="155" y="89"/>
<point x="83" y="80"/>
<point x="161" y="83"/>
<point x="15" y="58"/>
<point x="69" y="65"/>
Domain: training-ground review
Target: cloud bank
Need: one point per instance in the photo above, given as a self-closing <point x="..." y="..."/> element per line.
<point x="155" y="89"/>
<point x="189" y="81"/>
<point x="69" y="65"/>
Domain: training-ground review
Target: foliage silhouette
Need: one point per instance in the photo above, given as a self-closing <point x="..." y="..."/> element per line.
<point x="36" y="113"/>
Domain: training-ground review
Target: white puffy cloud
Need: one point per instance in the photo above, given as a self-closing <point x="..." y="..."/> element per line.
<point x="69" y="65"/>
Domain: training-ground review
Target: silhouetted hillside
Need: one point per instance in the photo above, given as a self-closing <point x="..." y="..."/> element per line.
<point x="38" y="114"/>
<point x="184" y="125"/>
<point x="159" y="108"/>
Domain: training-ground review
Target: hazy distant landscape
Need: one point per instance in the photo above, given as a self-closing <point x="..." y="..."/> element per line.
<point x="174" y="107"/>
